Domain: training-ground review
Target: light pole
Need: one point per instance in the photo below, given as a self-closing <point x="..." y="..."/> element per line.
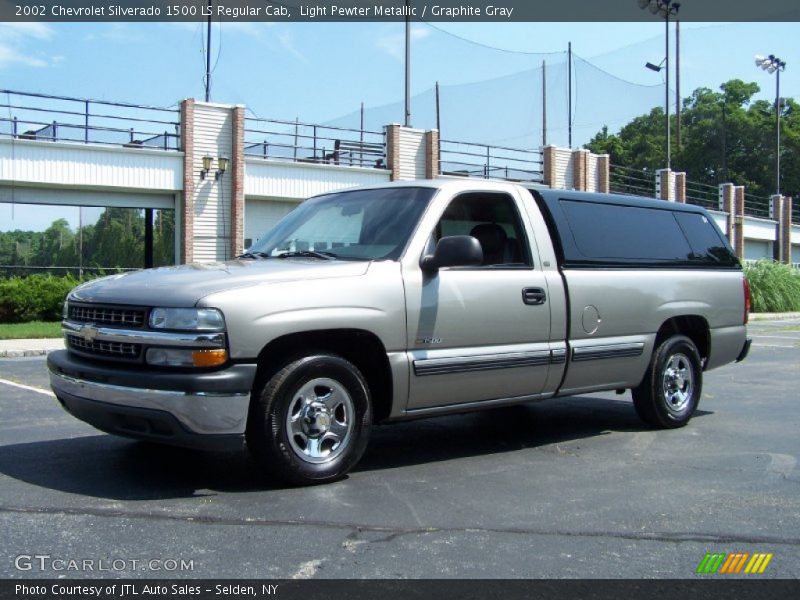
<point x="773" y="64"/>
<point x="665" y="9"/>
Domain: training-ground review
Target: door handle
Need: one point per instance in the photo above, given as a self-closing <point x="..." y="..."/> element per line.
<point x="533" y="295"/>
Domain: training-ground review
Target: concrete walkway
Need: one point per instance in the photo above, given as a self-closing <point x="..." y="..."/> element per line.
<point x="18" y="348"/>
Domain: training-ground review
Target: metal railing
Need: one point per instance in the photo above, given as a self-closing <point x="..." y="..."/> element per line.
<point x="45" y="117"/>
<point x="635" y="182"/>
<point x="467" y="159"/>
<point x="702" y="194"/>
<point x="756" y="206"/>
<point x="310" y="143"/>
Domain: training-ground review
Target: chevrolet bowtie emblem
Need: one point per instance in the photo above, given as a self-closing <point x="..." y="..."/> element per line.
<point x="88" y="332"/>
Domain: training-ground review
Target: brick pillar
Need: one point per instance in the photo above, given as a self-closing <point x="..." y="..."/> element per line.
<point x="187" y="195"/>
<point x="237" y="182"/>
<point x="680" y="188"/>
<point x="579" y="158"/>
<point x="210" y="216"/>
<point x="432" y="165"/>
<point x="603" y="173"/>
<point x="726" y="206"/>
<point x="393" y="150"/>
<point x="549" y="158"/>
<point x="787" y="229"/>
<point x="738" y="220"/>
<point x="776" y="214"/>
<point x="782" y="211"/>
<point x="664" y="184"/>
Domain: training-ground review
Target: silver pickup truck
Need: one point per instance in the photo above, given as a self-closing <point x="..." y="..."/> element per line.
<point x="401" y="301"/>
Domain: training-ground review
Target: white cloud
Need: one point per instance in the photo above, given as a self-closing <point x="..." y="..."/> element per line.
<point x="250" y="28"/>
<point x="18" y="31"/>
<point x="10" y="57"/>
<point x="395" y="44"/>
<point x="14" y="37"/>
<point x="287" y="41"/>
<point x="253" y="29"/>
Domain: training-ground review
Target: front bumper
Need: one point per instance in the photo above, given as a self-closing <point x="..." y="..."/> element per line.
<point x="207" y="409"/>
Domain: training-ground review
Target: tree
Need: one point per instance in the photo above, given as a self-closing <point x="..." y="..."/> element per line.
<point x="726" y="137"/>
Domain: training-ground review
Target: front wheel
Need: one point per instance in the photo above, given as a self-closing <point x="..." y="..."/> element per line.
<point x="310" y="422"/>
<point x="670" y="392"/>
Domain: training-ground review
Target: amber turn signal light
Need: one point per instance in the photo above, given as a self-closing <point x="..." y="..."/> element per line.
<point x="209" y="358"/>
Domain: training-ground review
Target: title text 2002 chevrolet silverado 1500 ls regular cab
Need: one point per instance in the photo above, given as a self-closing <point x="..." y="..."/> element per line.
<point x="401" y="301"/>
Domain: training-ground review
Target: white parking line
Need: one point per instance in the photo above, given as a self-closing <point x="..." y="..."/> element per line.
<point x="29" y="388"/>
<point x="755" y="345"/>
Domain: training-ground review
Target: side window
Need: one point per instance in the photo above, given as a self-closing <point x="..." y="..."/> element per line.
<point x="494" y="221"/>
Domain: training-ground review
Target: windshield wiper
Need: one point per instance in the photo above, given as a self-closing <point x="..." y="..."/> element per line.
<point x="308" y="254"/>
<point x="254" y="255"/>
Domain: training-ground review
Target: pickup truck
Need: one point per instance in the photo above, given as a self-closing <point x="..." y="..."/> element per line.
<point x="407" y="300"/>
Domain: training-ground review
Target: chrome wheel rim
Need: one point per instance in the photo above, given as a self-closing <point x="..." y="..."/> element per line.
<point x="319" y="421"/>
<point x="678" y="383"/>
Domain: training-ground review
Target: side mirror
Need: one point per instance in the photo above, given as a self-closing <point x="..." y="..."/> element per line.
<point x="453" y="251"/>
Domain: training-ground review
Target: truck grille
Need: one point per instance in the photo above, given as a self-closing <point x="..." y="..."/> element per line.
<point x="107" y="315"/>
<point x="114" y="350"/>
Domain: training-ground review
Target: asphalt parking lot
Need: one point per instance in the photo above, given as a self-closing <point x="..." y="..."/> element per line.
<point x="573" y="487"/>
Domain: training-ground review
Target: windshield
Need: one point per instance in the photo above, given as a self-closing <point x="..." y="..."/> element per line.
<point x="356" y="225"/>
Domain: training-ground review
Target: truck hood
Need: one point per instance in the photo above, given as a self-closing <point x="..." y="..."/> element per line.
<point x="185" y="285"/>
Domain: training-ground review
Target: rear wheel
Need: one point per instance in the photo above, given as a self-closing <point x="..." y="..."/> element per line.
<point x="671" y="388"/>
<point x="310" y="422"/>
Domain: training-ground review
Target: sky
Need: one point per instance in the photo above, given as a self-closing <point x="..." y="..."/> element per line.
<point x="321" y="72"/>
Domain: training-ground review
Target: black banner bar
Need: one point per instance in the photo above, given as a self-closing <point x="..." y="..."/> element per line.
<point x="483" y="589"/>
<point x="396" y="10"/>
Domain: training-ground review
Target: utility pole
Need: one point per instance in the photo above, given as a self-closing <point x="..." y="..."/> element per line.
<point x="678" y="84"/>
<point x="208" y="53"/>
<point x="773" y="64"/>
<point x="569" y="94"/>
<point x="665" y="8"/>
<point x="544" y="104"/>
<point x="408" y="65"/>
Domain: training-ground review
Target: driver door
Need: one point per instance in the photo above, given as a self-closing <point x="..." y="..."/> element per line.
<point x="478" y="333"/>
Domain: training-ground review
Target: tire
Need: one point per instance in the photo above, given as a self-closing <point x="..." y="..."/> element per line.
<point x="670" y="391"/>
<point x="310" y="423"/>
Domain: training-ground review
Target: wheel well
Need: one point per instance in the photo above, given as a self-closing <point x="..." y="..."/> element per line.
<point x="362" y="348"/>
<point x="692" y="326"/>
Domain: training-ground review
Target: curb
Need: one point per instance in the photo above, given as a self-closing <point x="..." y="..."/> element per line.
<point x="24" y="353"/>
<point x="774" y="316"/>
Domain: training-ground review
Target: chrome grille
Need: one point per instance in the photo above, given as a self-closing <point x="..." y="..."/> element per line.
<point x="120" y="317"/>
<point x="118" y="350"/>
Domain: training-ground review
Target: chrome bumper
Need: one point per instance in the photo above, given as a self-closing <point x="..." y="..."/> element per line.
<point x="198" y="412"/>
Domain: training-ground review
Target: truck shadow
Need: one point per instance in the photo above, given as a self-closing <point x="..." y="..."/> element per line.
<point x="109" y="467"/>
<point x="500" y="430"/>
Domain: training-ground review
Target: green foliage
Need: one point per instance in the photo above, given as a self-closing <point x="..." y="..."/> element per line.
<point x="725" y="137"/>
<point x="115" y="241"/>
<point x="774" y="287"/>
<point x="34" y="298"/>
<point x="31" y="330"/>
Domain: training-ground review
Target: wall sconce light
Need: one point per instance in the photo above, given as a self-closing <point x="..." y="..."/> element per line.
<point x="222" y="163"/>
<point x="207" y="160"/>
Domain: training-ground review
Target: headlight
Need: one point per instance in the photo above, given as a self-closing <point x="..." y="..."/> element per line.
<point x="65" y="311"/>
<point x="187" y="319"/>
